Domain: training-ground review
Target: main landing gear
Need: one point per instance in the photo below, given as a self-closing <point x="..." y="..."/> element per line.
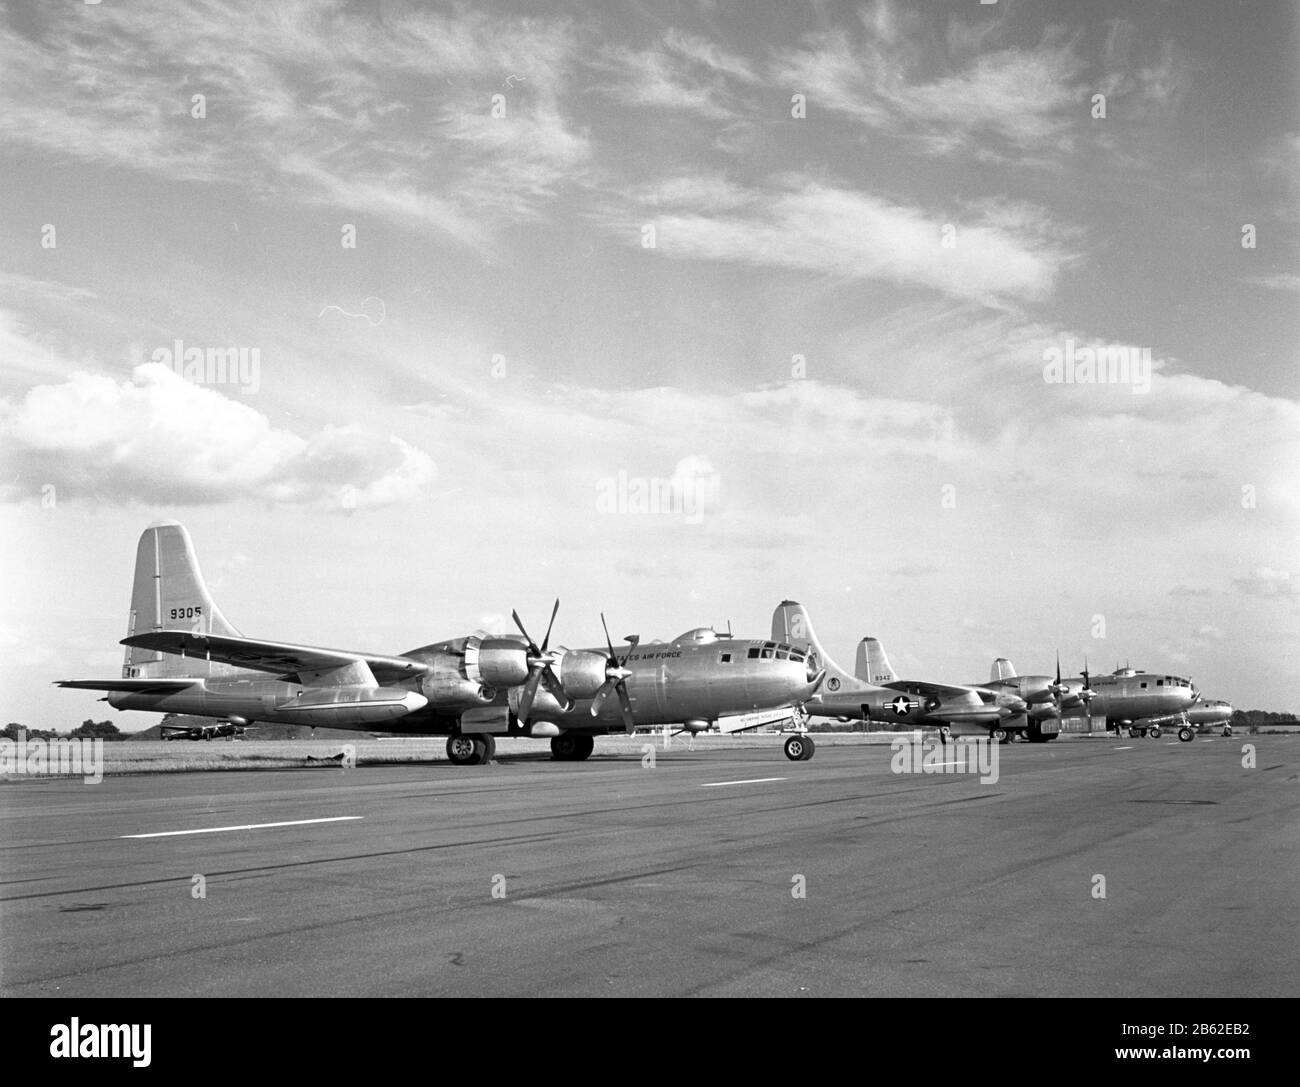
<point x="570" y="748"/>
<point x="471" y="750"/>
<point x="800" y="747"/>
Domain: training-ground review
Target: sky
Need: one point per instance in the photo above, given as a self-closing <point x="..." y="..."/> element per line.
<point x="415" y="314"/>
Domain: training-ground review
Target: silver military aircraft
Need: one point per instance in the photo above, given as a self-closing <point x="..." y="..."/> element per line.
<point x="875" y="693"/>
<point x="1007" y="708"/>
<point x="1139" y="702"/>
<point x="203" y="732"/>
<point x="1213" y="714"/>
<point x="183" y="656"/>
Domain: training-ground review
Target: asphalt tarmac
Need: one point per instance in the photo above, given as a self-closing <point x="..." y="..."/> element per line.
<point x="1093" y="867"/>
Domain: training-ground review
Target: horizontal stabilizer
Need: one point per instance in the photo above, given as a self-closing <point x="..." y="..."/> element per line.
<point x="136" y="686"/>
<point x="280" y="658"/>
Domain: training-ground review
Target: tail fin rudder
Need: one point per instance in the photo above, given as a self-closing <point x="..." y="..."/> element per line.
<point x="872" y="665"/>
<point x="1002" y="669"/>
<point x="169" y="593"/>
<point x="790" y="623"/>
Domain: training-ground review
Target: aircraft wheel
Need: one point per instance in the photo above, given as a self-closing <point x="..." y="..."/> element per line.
<point x="1133" y="734"/>
<point x="465" y="750"/>
<point x="1154" y="732"/>
<point x="1227" y="730"/>
<point x="564" y="748"/>
<point x="796" y="748"/>
<point x="489" y="747"/>
<point x="583" y="746"/>
<point x="999" y="735"/>
<point x="809" y="748"/>
<point x="1185" y="734"/>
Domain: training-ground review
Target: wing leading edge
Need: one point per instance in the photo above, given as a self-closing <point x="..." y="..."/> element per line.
<point x="298" y="662"/>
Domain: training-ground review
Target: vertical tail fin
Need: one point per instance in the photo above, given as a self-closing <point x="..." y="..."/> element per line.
<point x="872" y="665"/>
<point x="790" y="623"/>
<point x="169" y="594"/>
<point x="1002" y="669"/>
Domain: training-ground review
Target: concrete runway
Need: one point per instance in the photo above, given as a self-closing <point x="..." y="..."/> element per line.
<point x="614" y="879"/>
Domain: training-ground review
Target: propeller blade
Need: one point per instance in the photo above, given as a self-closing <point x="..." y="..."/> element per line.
<point x="552" y="683"/>
<point x="629" y="722"/>
<point x="612" y="657"/>
<point x="532" y="646"/>
<point x="547" y="640"/>
<point x="529" y="693"/>
<point x="600" y="696"/>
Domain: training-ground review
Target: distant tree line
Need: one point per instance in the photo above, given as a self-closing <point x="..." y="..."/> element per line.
<point x="1262" y="717"/>
<point x="87" y="730"/>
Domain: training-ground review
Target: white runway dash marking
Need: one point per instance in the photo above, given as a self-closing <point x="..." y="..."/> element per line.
<point x="1121" y="749"/>
<point x="747" y="781"/>
<point x="247" y="826"/>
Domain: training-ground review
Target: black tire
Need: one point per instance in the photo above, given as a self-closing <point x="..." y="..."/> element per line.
<point x="463" y="750"/>
<point x="809" y="748"/>
<point x="999" y="735"/>
<point x="563" y="747"/>
<point x="1186" y="734"/>
<point x="1133" y="733"/>
<point x="1227" y="730"/>
<point x="1154" y="732"/>
<point x="489" y="747"/>
<point x="583" y="746"/>
<point x="794" y="748"/>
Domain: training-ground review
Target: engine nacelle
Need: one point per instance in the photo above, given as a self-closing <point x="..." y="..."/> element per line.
<point x="544" y="705"/>
<point x="449" y="689"/>
<point x="496" y="661"/>
<point x="581" y="672"/>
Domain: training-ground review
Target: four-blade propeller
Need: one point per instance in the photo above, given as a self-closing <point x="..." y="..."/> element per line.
<point x="540" y="671"/>
<point x="616" y="676"/>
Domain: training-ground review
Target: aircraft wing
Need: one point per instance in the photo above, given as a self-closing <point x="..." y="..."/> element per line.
<point x="281" y="658"/>
<point x="138" y="686"/>
<point x="941" y="691"/>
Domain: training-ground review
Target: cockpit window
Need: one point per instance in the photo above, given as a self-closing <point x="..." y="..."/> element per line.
<point x="753" y="653"/>
<point x="782" y="655"/>
<point x="767" y="653"/>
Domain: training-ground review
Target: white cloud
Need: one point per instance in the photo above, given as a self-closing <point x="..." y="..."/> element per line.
<point x="159" y="438"/>
<point x="802" y="224"/>
<point x="311" y="102"/>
